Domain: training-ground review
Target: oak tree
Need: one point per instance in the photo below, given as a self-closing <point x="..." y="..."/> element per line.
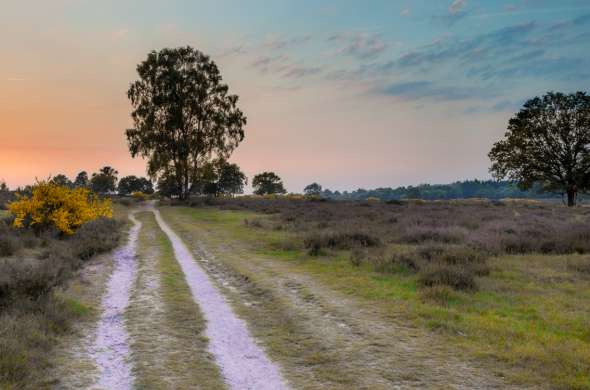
<point x="547" y="143"/>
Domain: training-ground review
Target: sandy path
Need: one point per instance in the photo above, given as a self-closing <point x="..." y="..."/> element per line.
<point x="110" y="350"/>
<point x="243" y="363"/>
<point x="358" y="345"/>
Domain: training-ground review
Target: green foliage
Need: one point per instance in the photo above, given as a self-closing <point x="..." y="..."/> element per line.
<point x="61" y="180"/>
<point x="547" y="142"/>
<point x="267" y="183"/>
<point x="82" y="180"/>
<point x="231" y="179"/>
<point x="489" y="189"/>
<point x="183" y="115"/>
<point x="312" y="189"/>
<point x="105" y="181"/>
<point x="130" y="184"/>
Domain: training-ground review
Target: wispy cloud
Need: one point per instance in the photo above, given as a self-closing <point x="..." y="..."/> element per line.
<point x="361" y="45"/>
<point x="283" y="66"/>
<point x="405" y="12"/>
<point x="455" y="12"/>
<point x="457" y="6"/>
<point x="417" y="90"/>
<point x="279" y="43"/>
<point x="15" y="79"/>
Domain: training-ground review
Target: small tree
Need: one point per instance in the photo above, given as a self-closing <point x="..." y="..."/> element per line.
<point x="3" y="186"/>
<point x="313" y="189"/>
<point x="82" y="180"/>
<point x="267" y="183"/>
<point x="547" y="142"/>
<point x="130" y="184"/>
<point x="61" y="180"/>
<point x="105" y="181"/>
<point x="231" y="179"/>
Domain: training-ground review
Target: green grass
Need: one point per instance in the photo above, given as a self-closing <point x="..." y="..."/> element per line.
<point x="529" y="319"/>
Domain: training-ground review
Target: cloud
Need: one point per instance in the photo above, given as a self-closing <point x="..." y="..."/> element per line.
<point x="456" y="12"/>
<point x="457" y="6"/>
<point x="279" y="43"/>
<point x="265" y="63"/>
<point x="361" y="45"/>
<point x="297" y="71"/>
<point x="15" y="79"/>
<point x="418" y="90"/>
<point x="283" y="66"/>
<point x="405" y="12"/>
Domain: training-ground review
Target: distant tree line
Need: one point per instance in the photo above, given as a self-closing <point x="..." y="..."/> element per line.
<point x="489" y="189"/>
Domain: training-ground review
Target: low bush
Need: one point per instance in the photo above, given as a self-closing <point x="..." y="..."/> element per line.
<point x="455" y="276"/>
<point x="438" y="294"/>
<point x="94" y="237"/>
<point x="9" y="245"/>
<point x="317" y="240"/>
<point x="581" y="265"/>
<point x="417" y="234"/>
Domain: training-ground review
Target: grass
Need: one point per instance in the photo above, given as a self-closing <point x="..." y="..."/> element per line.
<point x="167" y="328"/>
<point x="34" y="314"/>
<point x="527" y="320"/>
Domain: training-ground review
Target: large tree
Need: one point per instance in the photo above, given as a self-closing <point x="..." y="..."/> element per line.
<point x="547" y="142"/>
<point x="267" y="183"/>
<point x="183" y="115"/>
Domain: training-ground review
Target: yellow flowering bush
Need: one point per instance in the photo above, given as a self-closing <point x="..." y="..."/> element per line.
<point x="139" y="196"/>
<point x="51" y="205"/>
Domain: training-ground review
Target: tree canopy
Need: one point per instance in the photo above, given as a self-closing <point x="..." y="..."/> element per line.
<point x="61" y="180"/>
<point x="82" y="180"/>
<point x="267" y="183"/>
<point x="547" y="142"/>
<point x="130" y="184"/>
<point x="105" y="181"/>
<point x="183" y="115"/>
<point x="312" y="189"/>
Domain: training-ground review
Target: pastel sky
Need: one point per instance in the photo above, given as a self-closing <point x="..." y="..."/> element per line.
<point x="346" y="93"/>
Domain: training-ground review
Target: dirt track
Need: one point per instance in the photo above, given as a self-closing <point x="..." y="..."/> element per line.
<point x="207" y="313"/>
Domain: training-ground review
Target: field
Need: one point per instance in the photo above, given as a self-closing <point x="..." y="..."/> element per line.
<point x="505" y="282"/>
<point x="342" y="295"/>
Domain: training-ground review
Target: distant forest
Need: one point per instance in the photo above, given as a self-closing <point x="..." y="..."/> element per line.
<point x="459" y="190"/>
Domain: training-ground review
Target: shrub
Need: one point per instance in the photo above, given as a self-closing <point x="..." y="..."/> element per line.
<point x="139" y="196"/>
<point x="94" y="237"/>
<point x="440" y="295"/>
<point x="59" y="207"/>
<point x="581" y="265"/>
<point x="357" y="255"/>
<point x="9" y="245"/>
<point x="417" y="234"/>
<point x="457" y="277"/>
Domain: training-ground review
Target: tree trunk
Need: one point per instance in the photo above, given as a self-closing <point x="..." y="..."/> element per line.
<point x="571" y="197"/>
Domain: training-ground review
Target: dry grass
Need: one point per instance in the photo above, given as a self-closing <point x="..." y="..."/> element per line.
<point x="168" y="345"/>
<point x="33" y="315"/>
<point x="526" y="316"/>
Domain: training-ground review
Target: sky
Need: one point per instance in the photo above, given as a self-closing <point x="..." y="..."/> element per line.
<point x="349" y="94"/>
